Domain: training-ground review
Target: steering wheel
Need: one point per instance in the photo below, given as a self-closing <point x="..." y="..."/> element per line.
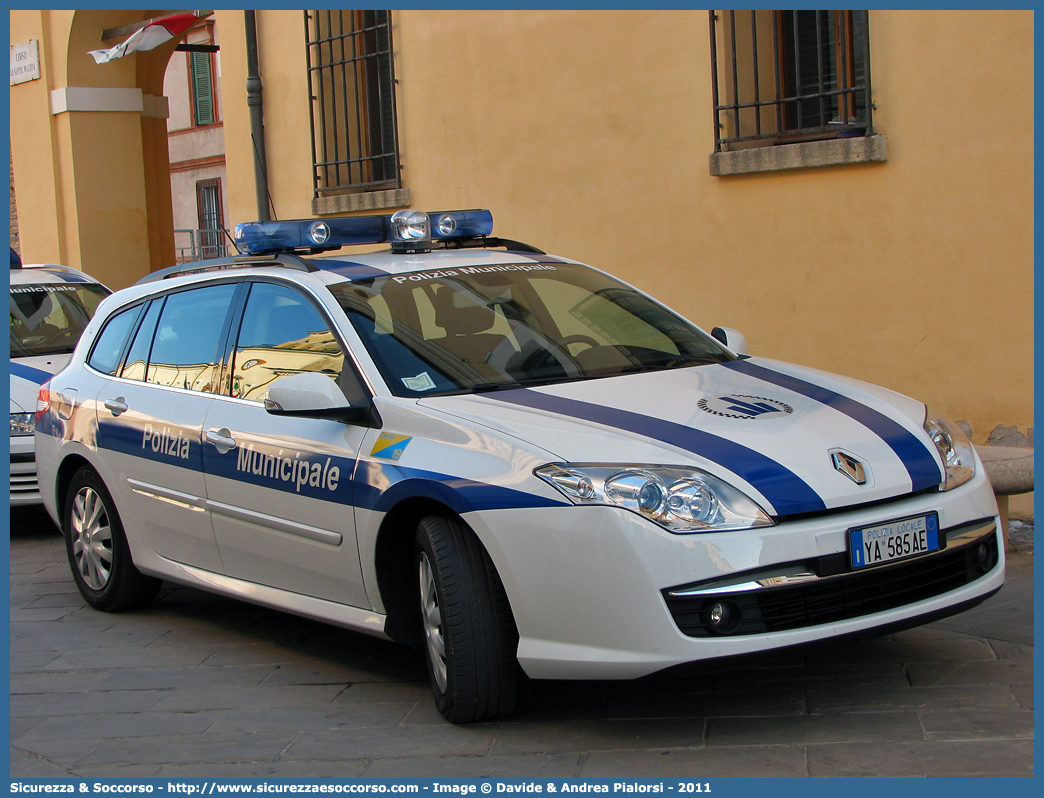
<point x="569" y="340"/>
<point x="49" y="337"/>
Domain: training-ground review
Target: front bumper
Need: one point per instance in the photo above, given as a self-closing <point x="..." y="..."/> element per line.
<point x="817" y="592"/>
<point x="588" y="586"/>
<point x="25" y="490"/>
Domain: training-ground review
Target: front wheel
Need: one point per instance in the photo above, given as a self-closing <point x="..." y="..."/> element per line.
<point x="98" y="553"/>
<point x="470" y="636"/>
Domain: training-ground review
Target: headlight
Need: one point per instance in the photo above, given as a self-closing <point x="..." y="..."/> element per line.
<point x="954" y="448"/>
<point x="677" y="498"/>
<point x="22" y="423"/>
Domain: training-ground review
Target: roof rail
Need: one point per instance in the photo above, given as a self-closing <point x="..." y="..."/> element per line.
<point x="284" y="260"/>
<point x="54" y="267"/>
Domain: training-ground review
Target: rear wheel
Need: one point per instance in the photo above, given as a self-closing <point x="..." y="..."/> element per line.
<point x="470" y="636"/>
<point x="98" y="552"/>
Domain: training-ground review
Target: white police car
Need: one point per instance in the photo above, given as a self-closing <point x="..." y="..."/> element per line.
<point x="50" y="306"/>
<point x="510" y="458"/>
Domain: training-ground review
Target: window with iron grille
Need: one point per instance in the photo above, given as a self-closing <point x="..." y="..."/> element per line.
<point x="211" y="218"/>
<point x="354" y="140"/>
<point x="781" y="77"/>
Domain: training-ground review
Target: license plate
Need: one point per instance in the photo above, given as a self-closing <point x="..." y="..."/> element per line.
<point x="895" y="540"/>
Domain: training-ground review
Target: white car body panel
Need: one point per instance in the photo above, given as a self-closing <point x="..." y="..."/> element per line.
<point x="805" y="435"/>
<point x="599" y="613"/>
<point x="303" y="542"/>
<point x="287" y="601"/>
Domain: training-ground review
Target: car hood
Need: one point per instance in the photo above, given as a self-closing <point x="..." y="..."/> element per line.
<point x="768" y="428"/>
<point x="28" y="374"/>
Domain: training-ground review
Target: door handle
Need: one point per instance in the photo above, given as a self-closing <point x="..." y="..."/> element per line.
<point x="221" y="439"/>
<point x="117" y="406"/>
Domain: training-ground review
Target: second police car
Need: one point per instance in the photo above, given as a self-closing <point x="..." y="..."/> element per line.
<point x="512" y="459"/>
<point x="50" y="306"/>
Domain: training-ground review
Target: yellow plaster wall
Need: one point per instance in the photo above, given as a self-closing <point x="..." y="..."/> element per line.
<point x="90" y="192"/>
<point x="34" y="150"/>
<point x="284" y="78"/>
<point x="113" y="235"/>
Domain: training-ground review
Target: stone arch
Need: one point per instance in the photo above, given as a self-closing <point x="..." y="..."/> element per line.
<point x="89" y="147"/>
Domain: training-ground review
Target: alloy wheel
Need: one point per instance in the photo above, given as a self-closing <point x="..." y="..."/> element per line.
<point x="432" y="618"/>
<point x="91" y="538"/>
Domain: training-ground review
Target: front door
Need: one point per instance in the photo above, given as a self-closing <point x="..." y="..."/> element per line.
<point x="280" y="488"/>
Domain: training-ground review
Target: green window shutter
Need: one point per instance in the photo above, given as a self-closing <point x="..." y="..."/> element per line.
<point x="202" y="89"/>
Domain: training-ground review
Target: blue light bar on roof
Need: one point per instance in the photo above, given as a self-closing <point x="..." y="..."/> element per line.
<point x="461" y="224"/>
<point x="257" y="238"/>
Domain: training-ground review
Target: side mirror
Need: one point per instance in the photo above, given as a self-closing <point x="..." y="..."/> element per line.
<point x="733" y="339"/>
<point x="310" y="394"/>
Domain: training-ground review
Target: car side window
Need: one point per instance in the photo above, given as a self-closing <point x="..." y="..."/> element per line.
<point x="282" y="333"/>
<point x="105" y="357"/>
<point x="189" y="333"/>
<point x="137" y="359"/>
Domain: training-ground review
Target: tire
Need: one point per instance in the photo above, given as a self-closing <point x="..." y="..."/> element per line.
<point x="470" y="636"/>
<point x="98" y="553"/>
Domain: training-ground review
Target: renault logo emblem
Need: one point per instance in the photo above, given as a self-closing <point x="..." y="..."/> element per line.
<point x="848" y="466"/>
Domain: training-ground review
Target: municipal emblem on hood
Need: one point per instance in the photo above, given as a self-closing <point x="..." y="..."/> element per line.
<point x="849" y="466"/>
<point x="739" y="405"/>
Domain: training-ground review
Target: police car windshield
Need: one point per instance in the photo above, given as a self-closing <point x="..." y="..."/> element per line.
<point x="489" y="328"/>
<point x="48" y="319"/>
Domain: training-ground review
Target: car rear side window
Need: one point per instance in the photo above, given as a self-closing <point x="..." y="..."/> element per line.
<point x="185" y="348"/>
<point x="105" y="356"/>
<point x="137" y="360"/>
<point x="282" y="333"/>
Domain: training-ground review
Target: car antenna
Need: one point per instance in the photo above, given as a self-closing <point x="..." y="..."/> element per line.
<point x="228" y="235"/>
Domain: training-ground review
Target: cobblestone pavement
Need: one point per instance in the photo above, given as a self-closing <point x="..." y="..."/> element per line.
<point x="198" y="686"/>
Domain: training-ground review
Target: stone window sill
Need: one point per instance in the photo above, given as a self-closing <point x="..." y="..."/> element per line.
<point x="808" y="154"/>
<point x="367" y="201"/>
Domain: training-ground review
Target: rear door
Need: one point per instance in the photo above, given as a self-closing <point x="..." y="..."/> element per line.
<point x="280" y="488"/>
<point x="150" y="421"/>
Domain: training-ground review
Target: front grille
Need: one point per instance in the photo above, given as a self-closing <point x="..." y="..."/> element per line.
<point x="902" y="497"/>
<point x="841" y="597"/>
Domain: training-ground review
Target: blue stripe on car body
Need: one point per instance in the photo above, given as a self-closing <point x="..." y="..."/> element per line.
<point x="459" y="494"/>
<point x="914" y="454"/>
<point x="34" y="375"/>
<point x="787" y="492"/>
<point x="362" y="483"/>
<point x="176" y="446"/>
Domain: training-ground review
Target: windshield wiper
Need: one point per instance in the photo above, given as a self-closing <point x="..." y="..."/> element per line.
<point x="486" y="387"/>
<point x="685" y="361"/>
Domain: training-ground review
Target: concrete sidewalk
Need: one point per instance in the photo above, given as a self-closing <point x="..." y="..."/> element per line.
<point x="199" y="686"/>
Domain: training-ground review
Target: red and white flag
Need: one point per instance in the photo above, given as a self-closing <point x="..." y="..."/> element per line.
<point x="148" y="38"/>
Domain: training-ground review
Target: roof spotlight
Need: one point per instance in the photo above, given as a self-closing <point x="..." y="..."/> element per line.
<point x="447" y="225"/>
<point x="319" y="233"/>
<point x="411" y="231"/>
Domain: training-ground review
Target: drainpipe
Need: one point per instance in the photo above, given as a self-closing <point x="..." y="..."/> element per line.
<point x="257" y="119"/>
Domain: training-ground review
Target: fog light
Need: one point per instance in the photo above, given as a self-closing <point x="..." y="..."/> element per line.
<point x="724" y="617"/>
<point x="985" y="558"/>
<point x="719" y="614"/>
